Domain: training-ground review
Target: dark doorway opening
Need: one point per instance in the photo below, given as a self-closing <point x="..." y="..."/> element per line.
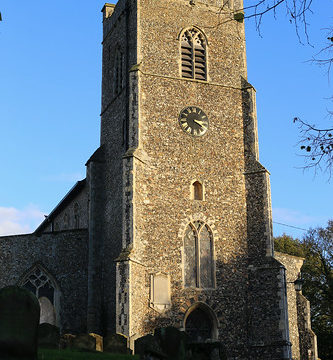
<point x="199" y="326"/>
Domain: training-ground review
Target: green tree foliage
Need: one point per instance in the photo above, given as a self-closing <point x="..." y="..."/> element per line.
<point x="286" y="244"/>
<point x="317" y="249"/>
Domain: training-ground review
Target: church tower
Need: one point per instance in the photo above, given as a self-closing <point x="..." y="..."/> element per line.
<point x="182" y="231"/>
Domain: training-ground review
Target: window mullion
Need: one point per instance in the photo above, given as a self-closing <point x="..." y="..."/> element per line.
<point x="193" y="55"/>
<point x="198" y="258"/>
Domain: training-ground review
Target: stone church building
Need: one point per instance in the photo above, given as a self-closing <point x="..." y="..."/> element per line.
<point x="172" y="224"/>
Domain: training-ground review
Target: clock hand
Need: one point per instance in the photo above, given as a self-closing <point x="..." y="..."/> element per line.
<point x="198" y="122"/>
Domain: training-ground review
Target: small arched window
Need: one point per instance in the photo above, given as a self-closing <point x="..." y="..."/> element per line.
<point x="197" y="191"/>
<point x="193" y="54"/>
<point x="118" y="75"/>
<point x="198" y="256"/>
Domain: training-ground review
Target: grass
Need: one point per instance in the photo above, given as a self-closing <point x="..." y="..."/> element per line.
<point x="54" y="354"/>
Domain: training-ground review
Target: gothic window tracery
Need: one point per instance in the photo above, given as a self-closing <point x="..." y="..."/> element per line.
<point x="193" y="55"/>
<point x="40" y="284"/>
<point x="198" y="256"/>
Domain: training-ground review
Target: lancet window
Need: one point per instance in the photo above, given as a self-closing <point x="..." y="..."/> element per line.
<point x="197" y="191"/>
<point x="118" y="76"/>
<point x="198" y="256"/>
<point x="193" y="54"/>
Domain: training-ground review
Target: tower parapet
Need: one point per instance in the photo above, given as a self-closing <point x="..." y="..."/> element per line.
<point x="225" y="4"/>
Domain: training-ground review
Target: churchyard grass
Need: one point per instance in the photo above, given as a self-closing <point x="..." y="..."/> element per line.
<point x="53" y="354"/>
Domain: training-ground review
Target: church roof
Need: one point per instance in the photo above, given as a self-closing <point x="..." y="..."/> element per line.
<point x="72" y="193"/>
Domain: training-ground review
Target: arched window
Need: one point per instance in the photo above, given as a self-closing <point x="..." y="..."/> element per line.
<point x="193" y="54"/>
<point x="118" y="75"/>
<point x="40" y="283"/>
<point x="197" y="191"/>
<point x="198" y="256"/>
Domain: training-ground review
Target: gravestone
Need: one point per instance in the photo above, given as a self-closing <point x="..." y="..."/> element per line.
<point x="148" y="348"/>
<point x="66" y="341"/>
<point x="84" y="342"/>
<point x="173" y="342"/>
<point x="99" y="341"/>
<point x="47" y="311"/>
<point x="116" y="344"/>
<point x="48" y="336"/>
<point x="19" y="320"/>
<point x="207" y="351"/>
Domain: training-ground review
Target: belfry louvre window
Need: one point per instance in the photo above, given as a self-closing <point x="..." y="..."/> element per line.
<point x="193" y="55"/>
<point x="198" y="256"/>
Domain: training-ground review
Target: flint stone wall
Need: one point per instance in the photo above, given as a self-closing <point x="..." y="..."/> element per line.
<point x="307" y="338"/>
<point x="293" y="265"/>
<point x="64" y="255"/>
<point x="66" y="219"/>
<point x="161" y="164"/>
<point x="119" y="34"/>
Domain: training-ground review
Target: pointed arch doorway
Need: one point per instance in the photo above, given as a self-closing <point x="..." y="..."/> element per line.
<point x="200" y="323"/>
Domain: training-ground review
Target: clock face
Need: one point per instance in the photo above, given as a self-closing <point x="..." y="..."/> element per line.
<point x="193" y="121"/>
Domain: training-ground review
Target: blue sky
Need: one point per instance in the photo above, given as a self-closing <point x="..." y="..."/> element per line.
<point x="50" y="85"/>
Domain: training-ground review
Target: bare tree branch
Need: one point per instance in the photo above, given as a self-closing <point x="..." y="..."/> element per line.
<point x="317" y="144"/>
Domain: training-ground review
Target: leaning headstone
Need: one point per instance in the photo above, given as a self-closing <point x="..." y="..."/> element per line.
<point x="99" y="341"/>
<point x="173" y="342"/>
<point x="47" y="311"/>
<point x="116" y="344"/>
<point x="148" y="348"/>
<point x="19" y="320"/>
<point x="84" y="342"/>
<point x="48" y="336"/>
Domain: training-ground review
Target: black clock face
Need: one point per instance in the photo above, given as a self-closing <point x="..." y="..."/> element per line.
<point x="193" y="121"/>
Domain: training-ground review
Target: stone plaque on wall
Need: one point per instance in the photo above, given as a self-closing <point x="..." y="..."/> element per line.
<point x="160" y="292"/>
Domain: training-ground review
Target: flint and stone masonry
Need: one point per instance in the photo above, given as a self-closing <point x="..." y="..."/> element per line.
<point x="172" y="225"/>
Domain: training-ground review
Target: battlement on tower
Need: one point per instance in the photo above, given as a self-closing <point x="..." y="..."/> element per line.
<point x="222" y="4"/>
<point x="108" y="8"/>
